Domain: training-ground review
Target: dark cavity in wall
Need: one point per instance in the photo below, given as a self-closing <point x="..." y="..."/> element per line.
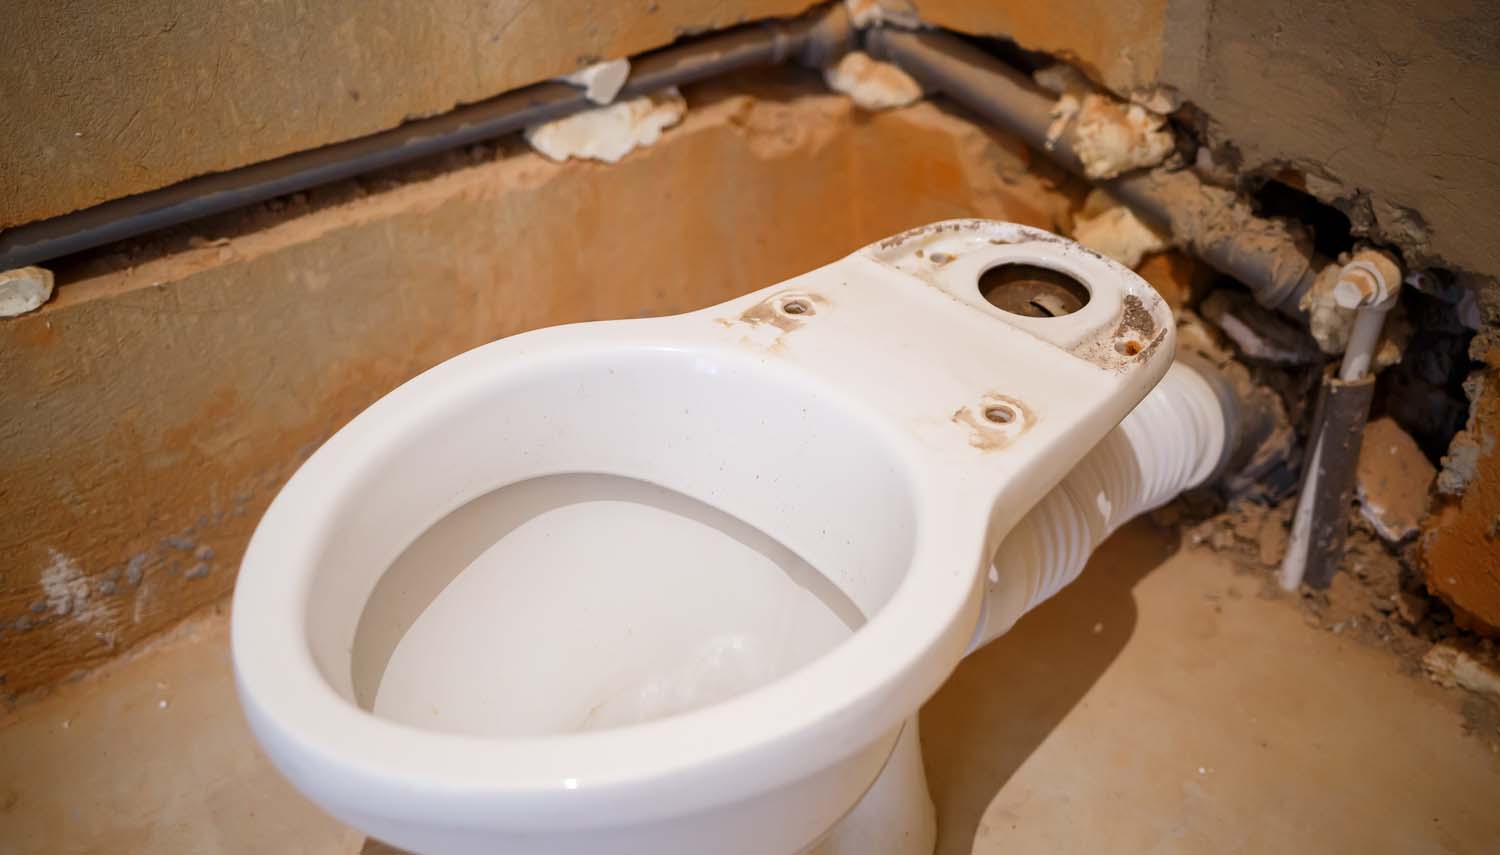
<point x="1281" y="196"/>
<point x="1424" y="393"/>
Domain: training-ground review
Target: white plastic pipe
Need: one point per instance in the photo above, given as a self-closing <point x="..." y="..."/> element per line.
<point x="1172" y="441"/>
<point x="1370" y="283"/>
<point x="1299" y="540"/>
<point x="1363" y="338"/>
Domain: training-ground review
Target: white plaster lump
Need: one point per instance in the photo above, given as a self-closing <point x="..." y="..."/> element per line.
<point x="1110" y="137"/>
<point x="602" y="81"/>
<point x="24" y="290"/>
<point x="609" y="133"/>
<point x="871" y="84"/>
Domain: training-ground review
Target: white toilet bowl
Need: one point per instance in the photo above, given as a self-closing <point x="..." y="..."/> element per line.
<point x="674" y="585"/>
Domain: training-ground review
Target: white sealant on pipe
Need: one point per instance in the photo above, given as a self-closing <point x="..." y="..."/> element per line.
<point x="1172" y="441"/>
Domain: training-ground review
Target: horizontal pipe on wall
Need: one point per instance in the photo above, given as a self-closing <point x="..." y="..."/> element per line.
<point x="1217" y="226"/>
<point x="812" y="39"/>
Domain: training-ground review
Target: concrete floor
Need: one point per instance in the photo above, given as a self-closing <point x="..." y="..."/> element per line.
<point x="1158" y="705"/>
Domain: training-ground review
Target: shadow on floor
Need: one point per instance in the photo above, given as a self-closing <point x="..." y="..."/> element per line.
<point x="1004" y="700"/>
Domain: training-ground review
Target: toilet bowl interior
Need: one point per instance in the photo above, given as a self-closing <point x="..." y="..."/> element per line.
<point x="606" y="539"/>
<point x="581" y="602"/>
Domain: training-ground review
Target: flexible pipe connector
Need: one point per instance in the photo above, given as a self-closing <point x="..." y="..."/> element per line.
<point x="1172" y="441"/>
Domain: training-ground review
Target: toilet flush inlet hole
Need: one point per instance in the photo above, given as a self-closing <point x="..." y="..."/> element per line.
<point x="1032" y="290"/>
<point x="582" y="602"/>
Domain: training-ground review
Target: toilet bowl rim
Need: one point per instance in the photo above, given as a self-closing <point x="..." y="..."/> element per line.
<point x="808" y="719"/>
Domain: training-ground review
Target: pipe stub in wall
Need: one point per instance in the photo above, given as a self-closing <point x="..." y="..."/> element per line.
<point x="1343" y="407"/>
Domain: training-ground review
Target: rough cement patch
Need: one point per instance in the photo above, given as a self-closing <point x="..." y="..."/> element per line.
<point x="24" y="290"/>
<point x="609" y="133"/>
<point x="873" y="85"/>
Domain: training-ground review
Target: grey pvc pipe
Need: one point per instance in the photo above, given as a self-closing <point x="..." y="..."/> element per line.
<point x="812" y="39"/>
<point x="1218" y="227"/>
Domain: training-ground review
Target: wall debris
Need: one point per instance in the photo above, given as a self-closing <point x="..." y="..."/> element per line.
<point x="872" y="84"/>
<point x="1451" y="665"/>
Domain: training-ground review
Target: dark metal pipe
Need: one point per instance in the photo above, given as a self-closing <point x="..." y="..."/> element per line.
<point x="1272" y="260"/>
<point x="813" y="39"/>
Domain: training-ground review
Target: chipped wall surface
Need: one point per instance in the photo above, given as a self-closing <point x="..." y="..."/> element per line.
<point x="152" y="412"/>
<point x="1392" y="106"/>
<point x="107" y="99"/>
<point x="1460" y="546"/>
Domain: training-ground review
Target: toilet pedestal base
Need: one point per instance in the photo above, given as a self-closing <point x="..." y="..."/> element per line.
<point x="896" y="816"/>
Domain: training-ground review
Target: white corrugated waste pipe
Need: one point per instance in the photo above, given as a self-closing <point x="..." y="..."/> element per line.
<point x="1172" y="441"/>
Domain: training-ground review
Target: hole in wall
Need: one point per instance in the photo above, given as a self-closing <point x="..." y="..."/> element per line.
<point x="1282" y="196"/>
<point x="1424" y="392"/>
<point x="1032" y="291"/>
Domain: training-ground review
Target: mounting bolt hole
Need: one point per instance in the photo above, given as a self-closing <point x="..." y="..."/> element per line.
<point x="796" y="306"/>
<point x="1000" y="415"/>
<point x="1032" y="290"/>
<point x="1130" y="347"/>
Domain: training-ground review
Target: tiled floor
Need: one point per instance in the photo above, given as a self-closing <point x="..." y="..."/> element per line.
<point x="1160" y="705"/>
